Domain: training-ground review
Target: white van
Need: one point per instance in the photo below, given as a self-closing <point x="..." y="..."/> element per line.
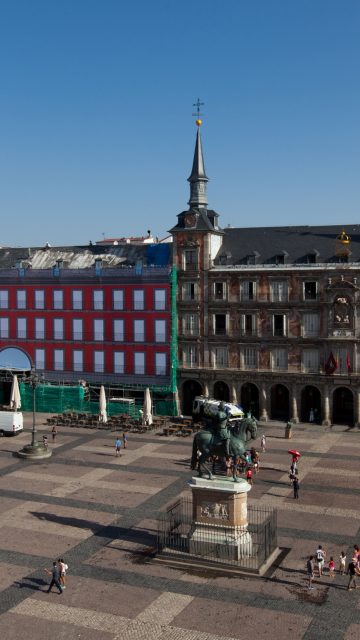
<point x="11" y="423"/>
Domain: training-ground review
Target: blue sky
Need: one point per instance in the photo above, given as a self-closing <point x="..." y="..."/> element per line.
<point x="97" y="134"/>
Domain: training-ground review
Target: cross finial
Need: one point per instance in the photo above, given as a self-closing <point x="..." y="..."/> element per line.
<point x="198" y="113"/>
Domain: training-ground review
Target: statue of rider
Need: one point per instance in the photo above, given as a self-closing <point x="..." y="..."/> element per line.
<point x="221" y="428"/>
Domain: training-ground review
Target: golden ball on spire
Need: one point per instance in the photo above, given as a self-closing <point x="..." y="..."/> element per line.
<point x="199" y="122"/>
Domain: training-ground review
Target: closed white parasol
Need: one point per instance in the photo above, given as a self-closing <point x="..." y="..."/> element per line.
<point x="15" y="398"/>
<point x="102" y="405"/>
<point x="147" y="410"/>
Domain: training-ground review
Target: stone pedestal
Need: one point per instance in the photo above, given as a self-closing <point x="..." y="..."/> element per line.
<point x="219" y="525"/>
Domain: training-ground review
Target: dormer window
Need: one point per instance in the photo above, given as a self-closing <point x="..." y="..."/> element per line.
<point x="280" y="258"/>
<point x="98" y="266"/>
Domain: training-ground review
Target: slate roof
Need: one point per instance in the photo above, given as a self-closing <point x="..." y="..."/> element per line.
<point x="203" y="221"/>
<point x="295" y="243"/>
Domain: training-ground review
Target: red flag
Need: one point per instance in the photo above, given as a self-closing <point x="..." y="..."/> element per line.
<point x="348" y="362"/>
<point x="331" y="364"/>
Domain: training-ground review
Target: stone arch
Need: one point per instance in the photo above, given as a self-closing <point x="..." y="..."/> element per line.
<point x="12" y="360"/>
<point x="190" y="389"/>
<point x="250" y="399"/>
<point x="310" y="399"/>
<point x="221" y="391"/>
<point x="280" y="403"/>
<point x="343" y="406"/>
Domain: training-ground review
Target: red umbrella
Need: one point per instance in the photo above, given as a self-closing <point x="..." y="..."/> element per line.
<point x="294" y="453"/>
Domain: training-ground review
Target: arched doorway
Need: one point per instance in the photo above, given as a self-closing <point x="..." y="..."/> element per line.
<point x="221" y="391"/>
<point x="280" y="408"/>
<point x="343" y="406"/>
<point x="190" y="389"/>
<point x="310" y="399"/>
<point x="250" y="399"/>
<point x="12" y="360"/>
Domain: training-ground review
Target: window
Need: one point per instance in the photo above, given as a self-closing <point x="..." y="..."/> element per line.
<point x="160" y="330"/>
<point x="58" y="299"/>
<point x="160" y="299"/>
<point x="279" y="291"/>
<point x="221" y="357"/>
<point x="189" y="291"/>
<point x="139" y="363"/>
<point x="58" y="329"/>
<point x="77" y="299"/>
<point x="4" y="327"/>
<point x="191" y="324"/>
<point x="119" y="362"/>
<point x="21" y="299"/>
<point x="118" y="330"/>
<point x="248" y="290"/>
<point x="78" y="360"/>
<point x="279" y="324"/>
<point x="190" y="355"/>
<point x="21" y="327"/>
<point x="118" y="299"/>
<point x="40" y="359"/>
<point x="311" y="325"/>
<point x="310" y="361"/>
<point x="77" y="329"/>
<point x="98" y="299"/>
<point x="4" y="299"/>
<point x="190" y="259"/>
<point x="220" y="324"/>
<point x="160" y="364"/>
<point x="219" y="290"/>
<point x="98" y="329"/>
<point x="280" y="359"/>
<point x="58" y="359"/>
<point x="310" y="290"/>
<point x="248" y="324"/>
<point x="39" y="328"/>
<point x="138" y="299"/>
<point x="99" y="361"/>
<point x="250" y="358"/>
<point x="139" y="330"/>
<point x="39" y="299"/>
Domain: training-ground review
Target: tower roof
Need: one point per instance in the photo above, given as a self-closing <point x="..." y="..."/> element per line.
<point x="198" y="167"/>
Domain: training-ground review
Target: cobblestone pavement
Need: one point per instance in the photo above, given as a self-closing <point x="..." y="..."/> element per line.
<point x="99" y="513"/>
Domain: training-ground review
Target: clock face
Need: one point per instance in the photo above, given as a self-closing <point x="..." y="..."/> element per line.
<point x="190" y="220"/>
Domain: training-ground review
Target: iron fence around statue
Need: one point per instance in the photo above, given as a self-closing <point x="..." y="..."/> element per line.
<point x="175" y="528"/>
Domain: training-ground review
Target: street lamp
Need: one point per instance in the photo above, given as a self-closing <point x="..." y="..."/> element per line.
<point x="36" y="450"/>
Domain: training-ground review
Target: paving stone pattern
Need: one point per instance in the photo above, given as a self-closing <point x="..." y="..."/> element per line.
<point x="100" y="513"/>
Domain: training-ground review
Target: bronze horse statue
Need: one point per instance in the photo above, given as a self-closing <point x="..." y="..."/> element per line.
<point x="208" y="443"/>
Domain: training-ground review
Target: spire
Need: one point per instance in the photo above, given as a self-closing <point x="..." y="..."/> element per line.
<point x="198" y="178"/>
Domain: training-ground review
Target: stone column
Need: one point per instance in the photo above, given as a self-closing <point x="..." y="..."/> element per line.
<point x="206" y="388"/>
<point x="233" y="394"/>
<point x="326" y="410"/>
<point x="263" y="404"/>
<point x="294" y="409"/>
<point x="357" y="409"/>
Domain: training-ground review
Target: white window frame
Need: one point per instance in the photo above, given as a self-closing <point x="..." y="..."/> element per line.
<point x="223" y="295"/>
<point x="190" y="265"/>
<point x="310" y="361"/>
<point x="77" y="329"/>
<point x="226" y="330"/>
<point x="139" y="330"/>
<point x="160" y="330"/>
<point x="58" y="328"/>
<point x="279" y="290"/>
<point x="4" y="299"/>
<point x="138" y="299"/>
<point x="39" y="298"/>
<point x="58" y="299"/>
<point x="285" y="332"/>
<point x="21" y="299"/>
<point x="98" y="327"/>
<point x="58" y="359"/>
<point x="191" y="324"/>
<point x="99" y="361"/>
<point x="78" y="359"/>
<point x="250" y="358"/>
<point x="98" y="299"/>
<point x="118" y="299"/>
<point x="119" y="362"/>
<point x="4" y="327"/>
<point x="190" y="355"/>
<point x="21" y="328"/>
<point x="160" y="364"/>
<point x="118" y="330"/>
<point x="40" y="359"/>
<point x="253" y="324"/>
<point x="248" y="290"/>
<point x="310" y="325"/>
<point x="77" y="297"/>
<point x="189" y="291"/>
<point x="279" y="359"/>
<point x="316" y="290"/>
<point x="221" y="357"/>
<point x="139" y="363"/>
<point x="39" y="329"/>
<point x="160" y="299"/>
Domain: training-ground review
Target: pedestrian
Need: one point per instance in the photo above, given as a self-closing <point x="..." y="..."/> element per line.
<point x="342" y="563"/>
<point x="249" y="476"/>
<point x="63" y="569"/>
<point x="331" y="567"/>
<point x="310" y="571"/>
<point x="296" y="486"/>
<point x="228" y="466"/>
<point x="118" y="444"/>
<point x="263" y="443"/>
<point x="55" y="577"/>
<point x="320" y="559"/>
<point x="125" y="438"/>
<point x="312" y="415"/>
<point x="352" y="575"/>
<point x="45" y="441"/>
<point x="54" y="432"/>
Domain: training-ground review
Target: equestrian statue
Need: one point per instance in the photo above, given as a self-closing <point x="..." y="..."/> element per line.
<point x="223" y="439"/>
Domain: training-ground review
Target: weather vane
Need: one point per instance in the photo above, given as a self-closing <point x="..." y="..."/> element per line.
<point x="198" y="113"/>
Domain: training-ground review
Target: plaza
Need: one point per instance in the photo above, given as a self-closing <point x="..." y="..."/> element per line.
<point x="99" y="513"/>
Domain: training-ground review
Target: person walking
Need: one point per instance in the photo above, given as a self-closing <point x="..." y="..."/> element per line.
<point x="45" y="441"/>
<point x="320" y="559"/>
<point x="342" y="563"/>
<point x="296" y="486"/>
<point x="249" y="476"/>
<point x="125" y="438"/>
<point x="310" y="571"/>
<point x="118" y="443"/>
<point x="312" y="415"/>
<point x="54" y="432"/>
<point x="331" y="567"/>
<point x="352" y="575"/>
<point x="63" y="569"/>
<point x="55" y="577"/>
<point x="263" y="443"/>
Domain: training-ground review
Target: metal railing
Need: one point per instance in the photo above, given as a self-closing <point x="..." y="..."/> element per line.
<point x="248" y="550"/>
